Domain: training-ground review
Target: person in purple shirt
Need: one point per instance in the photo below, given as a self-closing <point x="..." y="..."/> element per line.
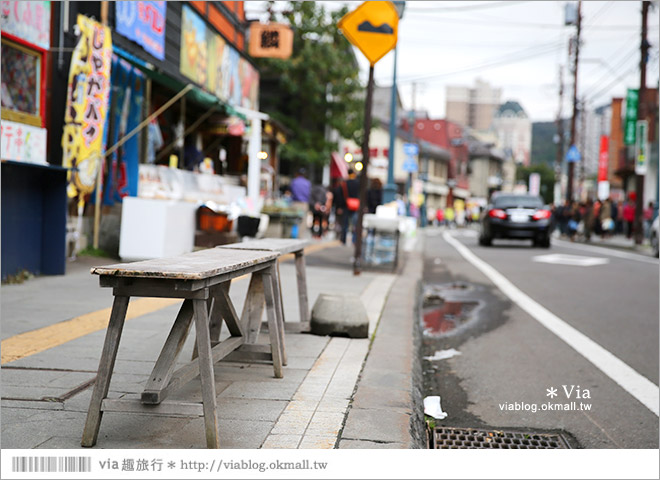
<point x="300" y="187"/>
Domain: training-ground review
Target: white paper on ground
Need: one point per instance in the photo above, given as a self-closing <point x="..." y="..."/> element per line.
<point x="443" y="354"/>
<point x="433" y="409"/>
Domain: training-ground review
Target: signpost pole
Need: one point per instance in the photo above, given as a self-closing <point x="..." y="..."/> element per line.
<point x="372" y="28"/>
<point x="389" y="192"/>
<point x="641" y="153"/>
<point x="357" y="263"/>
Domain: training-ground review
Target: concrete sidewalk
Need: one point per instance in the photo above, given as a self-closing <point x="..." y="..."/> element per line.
<point x="336" y="392"/>
<point x="618" y="242"/>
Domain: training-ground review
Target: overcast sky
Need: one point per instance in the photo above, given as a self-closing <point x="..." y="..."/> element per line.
<point x="516" y="46"/>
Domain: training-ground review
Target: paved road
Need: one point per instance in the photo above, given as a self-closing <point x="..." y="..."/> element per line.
<point x="540" y="324"/>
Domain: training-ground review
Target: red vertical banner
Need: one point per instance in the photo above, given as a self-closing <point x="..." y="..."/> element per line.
<point x="603" y="164"/>
<point x="603" y="158"/>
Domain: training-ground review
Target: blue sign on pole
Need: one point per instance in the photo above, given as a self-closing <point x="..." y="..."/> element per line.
<point x="409" y="165"/>
<point x="410" y="149"/>
<point x="573" y="154"/>
<point x="144" y="23"/>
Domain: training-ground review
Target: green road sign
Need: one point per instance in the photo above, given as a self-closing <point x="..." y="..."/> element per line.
<point x="632" y="100"/>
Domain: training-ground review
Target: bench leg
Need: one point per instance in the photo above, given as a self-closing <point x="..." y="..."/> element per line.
<point x="273" y="327"/>
<point x="215" y="317"/>
<point x="206" y="373"/>
<point x="302" y="287"/>
<point x="104" y="374"/>
<point x="279" y="309"/>
<point x="253" y="308"/>
<point x="162" y="371"/>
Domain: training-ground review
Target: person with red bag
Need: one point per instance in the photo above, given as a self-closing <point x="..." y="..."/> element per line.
<point x="346" y="200"/>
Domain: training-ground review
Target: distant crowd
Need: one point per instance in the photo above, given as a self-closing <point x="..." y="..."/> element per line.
<point x="602" y="218"/>
<point x="336" y="207"/>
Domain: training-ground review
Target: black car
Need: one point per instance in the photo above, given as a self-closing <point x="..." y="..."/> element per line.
<point x="516" y="216"/>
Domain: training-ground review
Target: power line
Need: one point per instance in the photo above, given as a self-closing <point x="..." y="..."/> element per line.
<point x="611" y="84"/>
<point x="511" y="58"/>
<point x="500" y="23"/>
<point x="479" y="6"/>
<point x="626" y="58"/>
<point x="593" y="18"/>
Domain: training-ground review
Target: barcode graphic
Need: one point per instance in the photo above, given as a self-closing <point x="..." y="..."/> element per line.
<point x="51" y="464"/>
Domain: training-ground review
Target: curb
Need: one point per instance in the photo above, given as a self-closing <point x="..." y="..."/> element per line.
<point x="386" y="411"/>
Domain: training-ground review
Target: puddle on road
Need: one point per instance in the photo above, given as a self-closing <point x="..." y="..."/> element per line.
<point x="444" y="310"/>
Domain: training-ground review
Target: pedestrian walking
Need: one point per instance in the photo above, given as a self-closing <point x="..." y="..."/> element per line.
<point x="301" y="188"/>
<point x="589" y="219"/>
<point x="648" y="219"/>
<point x="440" y="216"/>
<point x="346" y="202"/>
<point x="629" y="217"/>
<point x="607" y="224"/>
<point x="318" y="204"/>
<point x="374" y="195"/>
<point x="573" y="216"/>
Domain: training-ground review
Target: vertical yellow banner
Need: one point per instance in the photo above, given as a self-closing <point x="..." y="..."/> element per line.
<point x="86" y="105"/>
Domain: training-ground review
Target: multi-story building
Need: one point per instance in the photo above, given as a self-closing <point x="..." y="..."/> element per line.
<point x="472" y="107"/>
<point x="451" y="137"/>
<point x="486" y="168"/>
<point x="514" y="131"/>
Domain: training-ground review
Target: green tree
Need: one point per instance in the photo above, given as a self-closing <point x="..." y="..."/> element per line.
<point x="547" y="179"/>
<point x="317" y="88"/>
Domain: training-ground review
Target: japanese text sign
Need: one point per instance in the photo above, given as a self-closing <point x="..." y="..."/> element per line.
<point x="144" y="23"/>
<point x="23" y="143"/>
<point x="273" y="40"/>
<point x="29" y="21"/>
<point x="87" y="104"/>
<point x="632" y="100"/>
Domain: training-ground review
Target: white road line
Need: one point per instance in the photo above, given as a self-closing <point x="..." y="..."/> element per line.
<point x="635" y="384"/>
<point x="607" y="251"/>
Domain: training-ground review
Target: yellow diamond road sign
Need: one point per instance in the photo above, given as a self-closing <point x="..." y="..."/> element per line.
<point x="372" y="27"/>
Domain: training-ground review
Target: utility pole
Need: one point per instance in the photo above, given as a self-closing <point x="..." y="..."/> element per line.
<point x="638" y="226"/>
<point x="389" y="192"/>
<point x="560" y="139"/>
<point x="571" y="165"/>
<point x="583" y="146"/>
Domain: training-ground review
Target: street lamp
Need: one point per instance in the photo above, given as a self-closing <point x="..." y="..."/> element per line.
<point x="389" y="191"/>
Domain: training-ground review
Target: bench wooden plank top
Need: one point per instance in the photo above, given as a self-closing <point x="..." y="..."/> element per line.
<point x="280" y="245"/>
<point x="198" y="265"/>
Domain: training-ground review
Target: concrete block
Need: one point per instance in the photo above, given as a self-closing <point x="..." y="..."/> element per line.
<point x="341" y="315"/>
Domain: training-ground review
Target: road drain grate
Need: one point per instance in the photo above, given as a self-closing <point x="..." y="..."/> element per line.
<point x="444" y="437"/>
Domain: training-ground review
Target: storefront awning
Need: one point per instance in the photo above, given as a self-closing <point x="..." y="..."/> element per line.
<point x="195" y="94"/>
<point x="338" y="167"/>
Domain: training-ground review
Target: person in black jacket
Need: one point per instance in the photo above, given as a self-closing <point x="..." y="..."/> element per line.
<point x="345" y="216"/>
<point x="374" y="195"/>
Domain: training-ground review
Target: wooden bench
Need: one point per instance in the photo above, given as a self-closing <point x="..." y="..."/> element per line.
<point x="202" y="279"/>
<point x="282" y="246"/>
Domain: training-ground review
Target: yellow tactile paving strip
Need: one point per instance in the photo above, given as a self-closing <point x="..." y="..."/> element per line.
<point x="28" y="343"/>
